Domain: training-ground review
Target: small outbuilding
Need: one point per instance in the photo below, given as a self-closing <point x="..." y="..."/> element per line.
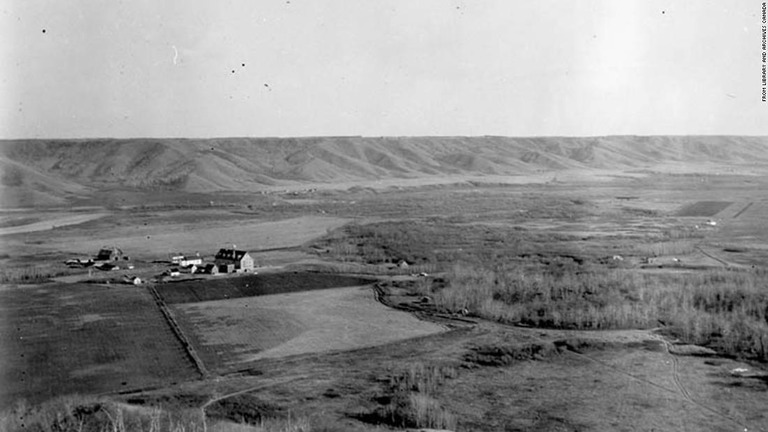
<point x="133" y="280"/>
<point x="226" y="268"/>
<point x="185" y="260"/>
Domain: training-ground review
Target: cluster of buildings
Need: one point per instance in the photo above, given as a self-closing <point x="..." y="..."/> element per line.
<point x="225" y="261"/>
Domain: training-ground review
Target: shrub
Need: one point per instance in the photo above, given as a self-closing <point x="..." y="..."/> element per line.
<point x="89" y="414"/>
<point x="409" y="400"/>
<point x="415" y="410"/>
<point x="29" y="274"/>
<point x="726" y="310"/>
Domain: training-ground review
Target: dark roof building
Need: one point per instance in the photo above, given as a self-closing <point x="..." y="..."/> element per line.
<point x="109" y="254"/>
<point x="240" y="258"/>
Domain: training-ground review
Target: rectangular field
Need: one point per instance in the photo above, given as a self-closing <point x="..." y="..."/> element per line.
<point x="703" y="208"/>
<point x="192" y="291"/>
<point x="59" y="339"/>
<point x="228" y="332"/>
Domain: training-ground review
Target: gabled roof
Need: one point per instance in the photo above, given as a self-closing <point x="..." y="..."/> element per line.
<point x="186" y="255"/>
<point x="109" y="250"/>
<point x="230" y="254"/>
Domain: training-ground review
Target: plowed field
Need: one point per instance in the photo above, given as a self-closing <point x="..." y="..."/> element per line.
<point x="704" y="208"/>
<point x="85" y="339"/>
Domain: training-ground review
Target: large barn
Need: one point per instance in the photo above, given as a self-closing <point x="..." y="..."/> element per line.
<point x="239" y="258"/>
<point x="108" y="253"/>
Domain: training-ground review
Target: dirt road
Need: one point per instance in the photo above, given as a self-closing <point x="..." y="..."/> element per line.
<point x="52" y="223"/>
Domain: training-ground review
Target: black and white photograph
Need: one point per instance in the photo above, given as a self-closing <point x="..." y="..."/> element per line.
<point x="383" y="215"/>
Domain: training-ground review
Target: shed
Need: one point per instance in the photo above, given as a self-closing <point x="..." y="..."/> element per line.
<point x="190" y="261"/>
<point x="186" y="260"/>
<point x="133" y="280"/>
<point x="226" y="268"/>
<point x="211" y="269"/>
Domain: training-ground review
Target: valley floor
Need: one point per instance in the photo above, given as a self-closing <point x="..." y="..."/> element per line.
<point x="357" y="340"/>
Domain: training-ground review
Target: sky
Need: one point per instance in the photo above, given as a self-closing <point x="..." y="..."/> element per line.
<point x="145" y="68"/>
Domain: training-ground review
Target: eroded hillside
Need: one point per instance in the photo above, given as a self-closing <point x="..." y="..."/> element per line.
<point x="49" y="172"/>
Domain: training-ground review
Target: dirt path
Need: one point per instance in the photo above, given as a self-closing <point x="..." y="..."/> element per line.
<point x="242" y="392"/>
<point x="679" y="389"/>
<point x="709" y="255"/>
<point x="676" y="371"/>
<point x="682" y="391"/>
<point x="743" y="210"/>
<point x="250" y="389"/>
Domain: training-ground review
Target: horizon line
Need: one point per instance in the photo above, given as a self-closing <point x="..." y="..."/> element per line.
<point x="379" y="137"/>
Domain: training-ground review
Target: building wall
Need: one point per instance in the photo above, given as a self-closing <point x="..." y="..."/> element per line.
<point x="226" y="268"/>
<point x="190" y="261"/>
<point x="246" y="263"/>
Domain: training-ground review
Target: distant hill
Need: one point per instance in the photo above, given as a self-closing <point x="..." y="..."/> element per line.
<point x="48" y="172"/>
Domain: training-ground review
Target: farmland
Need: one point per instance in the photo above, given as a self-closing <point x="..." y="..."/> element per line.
<point x="704" y="208"/>
<point x="581" y="299"/>
<point x="87" y="339"/>
<point x="193" y="291"/>
<point x="233" y="332"/>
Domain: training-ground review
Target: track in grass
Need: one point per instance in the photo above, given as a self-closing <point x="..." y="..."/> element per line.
<point x="743" y="210"/>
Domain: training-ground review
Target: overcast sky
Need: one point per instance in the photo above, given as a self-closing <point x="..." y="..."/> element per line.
<point x="379" y="67"/>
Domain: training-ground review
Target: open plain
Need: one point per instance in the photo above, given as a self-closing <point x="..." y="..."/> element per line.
<point x="483" y="284"/>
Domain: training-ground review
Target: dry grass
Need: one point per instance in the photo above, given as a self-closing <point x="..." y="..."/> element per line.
<point x="675" y="247"/>
<point x="30" y="274"/>
<point x="375" y="269"/>
<point x="421" y="378"/>
<point x="91" y="414"/>
<point x="245" y="329"/>
<point x="410" y="398"/>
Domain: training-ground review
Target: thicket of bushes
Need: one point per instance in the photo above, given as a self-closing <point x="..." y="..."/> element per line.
<point x="30" y="274"/>
<point x="386" y="242"/>
<point x="409" y="399"/>
<point x="725" y="310"/>
<point x="437" y="242"/>
<point x="553" y="280"/>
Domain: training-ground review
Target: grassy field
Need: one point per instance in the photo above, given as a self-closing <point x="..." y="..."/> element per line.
<point x="229" y="333"/>
<point x="552" y="277"/>
<point x="85" y="339"/>
<point x="563" y="279"/>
